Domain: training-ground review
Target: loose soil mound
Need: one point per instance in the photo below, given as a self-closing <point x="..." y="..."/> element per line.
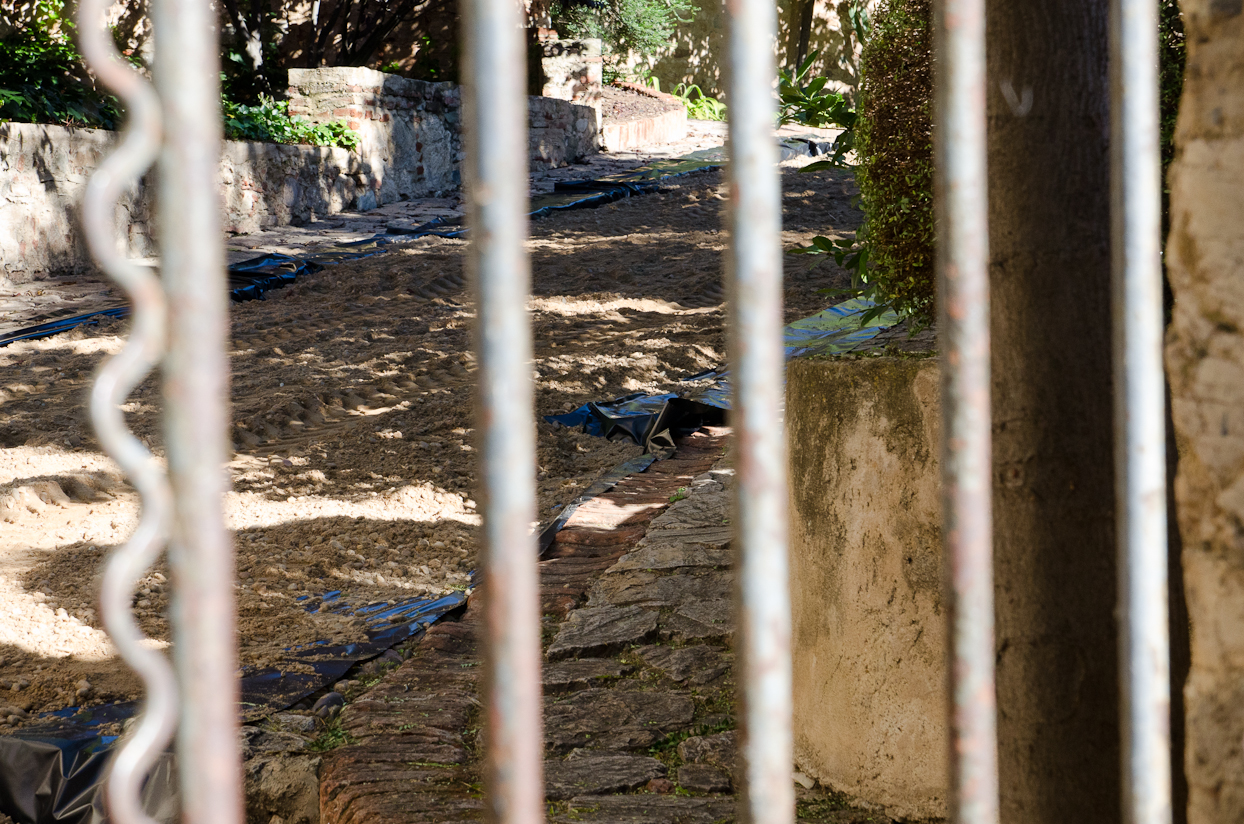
<point x="355" y="469"/>
<point x="622" y="105"/>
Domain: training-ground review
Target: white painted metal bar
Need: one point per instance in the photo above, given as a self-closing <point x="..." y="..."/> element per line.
<point x="1140" y="415"/>
<point x="495" y="119"/>
<point x="196" y="392"/>
<point x="754" y="279"/>
<point x="967" y="477"/>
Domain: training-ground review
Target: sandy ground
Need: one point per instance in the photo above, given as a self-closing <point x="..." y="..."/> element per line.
<point x="354" y="466"/>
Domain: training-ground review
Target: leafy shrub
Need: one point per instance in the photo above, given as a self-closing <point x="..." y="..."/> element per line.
<point x="42" y="80"/>
<point x="269" y="122"/>
<point x="894" y="144"/>
<point x="623" y="26"/>
<point x="699" y="106"/>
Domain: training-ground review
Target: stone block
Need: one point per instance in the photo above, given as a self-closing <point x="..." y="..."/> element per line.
<point x="593" y="773"/>
<point x="597" y="630"/>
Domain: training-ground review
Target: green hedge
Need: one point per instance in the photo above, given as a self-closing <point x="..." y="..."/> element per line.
<point x="895" y="148"/>
<point x="894" y="145"/>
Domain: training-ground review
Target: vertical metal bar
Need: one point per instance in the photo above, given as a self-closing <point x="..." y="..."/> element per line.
<point x="1140" y="422"/>
<point x="754" y="278"/>
<point x="196" y="392"/>
<point x="967" y="475"/>
<point x="495" y="109"/>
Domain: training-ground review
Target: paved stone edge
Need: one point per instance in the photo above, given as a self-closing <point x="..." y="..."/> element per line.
<point x="412" y="756"/>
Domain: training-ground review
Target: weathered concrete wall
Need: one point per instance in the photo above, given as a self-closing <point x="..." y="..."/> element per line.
<point x="1205" y="360"/>
<point x="869" y="628"/>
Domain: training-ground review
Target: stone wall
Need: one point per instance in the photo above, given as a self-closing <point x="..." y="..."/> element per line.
<point x="411" y="130"/>
<point x="573" y="70"/>
<point x="1205" y="362"/>
<point x="44" y="169"/>
<point x="869" y="623"/>
<point x="411" y="147"/>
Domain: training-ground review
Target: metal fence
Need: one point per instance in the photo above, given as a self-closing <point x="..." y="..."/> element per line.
<point x="182" y="327"/>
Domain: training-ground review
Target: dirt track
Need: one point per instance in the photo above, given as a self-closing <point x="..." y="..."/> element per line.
<point x="351" y="393"/>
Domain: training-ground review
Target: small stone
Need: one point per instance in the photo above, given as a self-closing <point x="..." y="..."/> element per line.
<point x="602" y="630"/>
<point x="720" y="750"/>
<point x="294" y="722"/>
<point x="663" y="786"/>
<point x="593" y="773"/>
<point x="581" y="673"/>
<point x="703" y="778"/>
<point x="683" y="663"/>
<point x="803" y="780"/>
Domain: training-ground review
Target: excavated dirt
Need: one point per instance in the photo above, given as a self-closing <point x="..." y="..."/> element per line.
<point x="354" y="467"/>
<point x="621" y="105"/>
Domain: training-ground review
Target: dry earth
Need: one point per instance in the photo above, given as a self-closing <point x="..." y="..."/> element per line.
<point x="354" y="468"/>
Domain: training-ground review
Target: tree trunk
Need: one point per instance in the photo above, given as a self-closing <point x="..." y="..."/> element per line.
<point x="1205" y="362"/>
<point x="1049" y="237"/>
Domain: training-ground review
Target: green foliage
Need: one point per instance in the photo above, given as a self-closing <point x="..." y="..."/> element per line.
<point x="1172" y="55"/>
<point x="809" y="103"/>
<point x="269" y="122"/>
<point x="42" y="79"/>
<point x="699" y="106"/>
<point x="641" y="26"/>
<point x="894" y="264"/>
<point x="333" y="736"/>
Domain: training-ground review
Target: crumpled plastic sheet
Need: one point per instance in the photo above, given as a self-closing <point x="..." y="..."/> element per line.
<point x="58" y="780"/>
<point x="653" y="421"/>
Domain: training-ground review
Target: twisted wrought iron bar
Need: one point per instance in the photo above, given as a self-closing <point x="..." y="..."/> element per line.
<point x="118" y="376"/>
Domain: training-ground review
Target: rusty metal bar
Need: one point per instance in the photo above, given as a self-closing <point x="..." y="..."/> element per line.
<point x="754" y="278"/>
<point x="196" y="393"/>
<point x="117" y="377"/>
<point x="495" y="121"/>
<point x="963" y="322"/>
<point x="1140" y="416"/>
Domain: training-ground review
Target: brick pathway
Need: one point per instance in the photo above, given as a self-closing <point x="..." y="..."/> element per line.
<point x="638" y="682"/>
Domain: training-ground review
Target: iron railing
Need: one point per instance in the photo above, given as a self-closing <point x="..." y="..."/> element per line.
<point x="181" y="123"/>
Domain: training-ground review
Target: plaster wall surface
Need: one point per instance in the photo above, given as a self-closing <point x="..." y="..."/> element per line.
<point x="1205" y="363"/>
<point x="869" y="626"/>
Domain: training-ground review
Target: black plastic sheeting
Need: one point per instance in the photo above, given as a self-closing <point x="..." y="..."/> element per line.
<point x="52" y="772"/>
<point x="59" y="780"/>
<point x="251" y="279"/>
<point x="55" y="327"/>
<point x="653" y="421"/>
